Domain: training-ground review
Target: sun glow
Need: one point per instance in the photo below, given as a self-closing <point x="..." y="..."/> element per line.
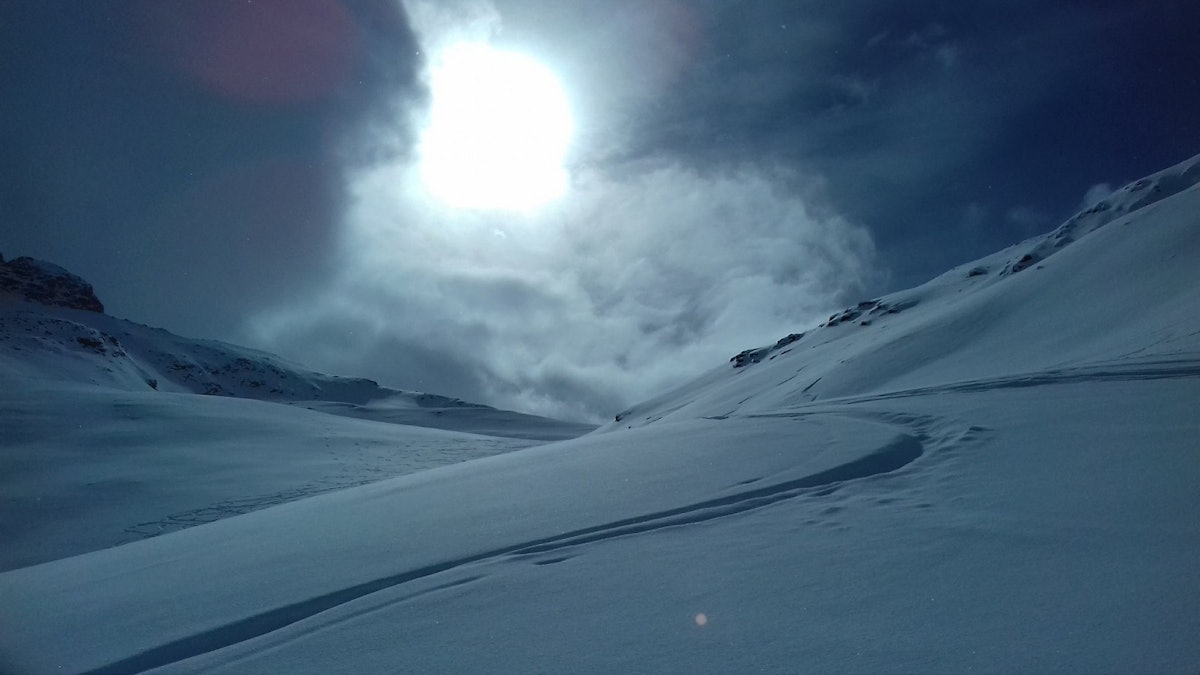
<point x="498" y="130"/>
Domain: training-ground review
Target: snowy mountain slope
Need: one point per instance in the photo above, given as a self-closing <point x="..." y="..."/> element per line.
<point x="1131" y="299"/>
<point x="1002" y="477"/>
<point x="111" y="431"/>
<point x="47" y="341"/>
<point x="860" y="538"/>
<point x="964" y="559"/>
<point x="84" y="468"/>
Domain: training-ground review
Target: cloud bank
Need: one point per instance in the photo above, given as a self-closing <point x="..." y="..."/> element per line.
<point x="623" y="289"/>
<point x="647" y="270"/>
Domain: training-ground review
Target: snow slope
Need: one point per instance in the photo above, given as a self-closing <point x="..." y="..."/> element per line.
<point x="1113" y="287"/>
<point x="86" y="467"/>
<point x="111" y="431"/>
<point x="56" y="343"/>
<point x="999" y="472"/>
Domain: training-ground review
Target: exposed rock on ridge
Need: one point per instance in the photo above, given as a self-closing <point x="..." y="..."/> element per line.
<point x="47" y="284"/>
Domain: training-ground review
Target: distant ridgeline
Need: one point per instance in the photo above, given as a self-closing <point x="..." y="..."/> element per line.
<point x="54" y="328"/>
<point x="48" y="284"/>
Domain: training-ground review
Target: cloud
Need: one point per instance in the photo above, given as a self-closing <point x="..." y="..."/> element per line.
<point x="1027" y="220"/>
<point x="932" y="40"/>
<point x="947" y="55"/>
<point x="623" y="290"/>
<point x="186" y="157"/>
<point x="694" y="227"/>
<point x="1094" y="194"/>
<point x="974" y="220"/>
<point x="856" y="89"/>
<point x="648" y="270"/>
<point x="449" y="20"/>
<point x="923" y="38"/>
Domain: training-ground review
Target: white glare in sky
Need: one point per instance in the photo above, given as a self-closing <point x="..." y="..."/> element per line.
<point x="498" y="130"/>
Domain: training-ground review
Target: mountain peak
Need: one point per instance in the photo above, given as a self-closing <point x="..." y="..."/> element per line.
<point x="47" y="284"/>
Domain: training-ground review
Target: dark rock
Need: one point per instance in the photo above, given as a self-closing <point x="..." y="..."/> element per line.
<point x="91" y="343"/>
<point x="47" y="284"/>
<point x="788" y="339"/>
<point x="749" y="356"/>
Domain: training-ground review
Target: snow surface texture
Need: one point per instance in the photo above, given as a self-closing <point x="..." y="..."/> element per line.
<point x="84" y="468"/>
<point x="1001" y="475"/>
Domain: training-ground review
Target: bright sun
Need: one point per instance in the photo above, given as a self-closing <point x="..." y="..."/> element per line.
<point x="498" y="131"/>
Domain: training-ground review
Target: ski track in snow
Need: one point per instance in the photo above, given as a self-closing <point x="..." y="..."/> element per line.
<point x="1114" y="371"/>
<point x="916" y="437"/>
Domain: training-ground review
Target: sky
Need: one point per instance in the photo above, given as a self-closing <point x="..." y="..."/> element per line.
<point x="258" y="172"/>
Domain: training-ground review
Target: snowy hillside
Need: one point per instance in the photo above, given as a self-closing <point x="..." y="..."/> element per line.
<point x="997" y="471"/>
<point x="1089" y="296"/>
<point x="112" y="432"/>
<point x="46" y="338"/>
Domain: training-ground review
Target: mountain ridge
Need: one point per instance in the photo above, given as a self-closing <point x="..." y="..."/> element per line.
<point x="45" y="283"/>
<point x="52" y="326"/>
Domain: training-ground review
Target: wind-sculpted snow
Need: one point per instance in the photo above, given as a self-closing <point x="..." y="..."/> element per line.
<point x="892" y="457"/>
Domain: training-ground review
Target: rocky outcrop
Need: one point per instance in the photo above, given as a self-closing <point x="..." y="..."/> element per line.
<point x="48" y="284"/>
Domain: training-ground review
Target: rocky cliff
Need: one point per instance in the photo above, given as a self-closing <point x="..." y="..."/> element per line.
<point x="48" y="284"/>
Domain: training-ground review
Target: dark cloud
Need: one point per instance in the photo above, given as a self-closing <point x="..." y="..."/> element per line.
<point x="618" y="293"/>
<point x="187" y="157"/>
<point x="914" y="110"/>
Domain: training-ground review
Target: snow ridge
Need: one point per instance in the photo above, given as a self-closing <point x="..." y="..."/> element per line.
<point x="1126" y="201"/>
